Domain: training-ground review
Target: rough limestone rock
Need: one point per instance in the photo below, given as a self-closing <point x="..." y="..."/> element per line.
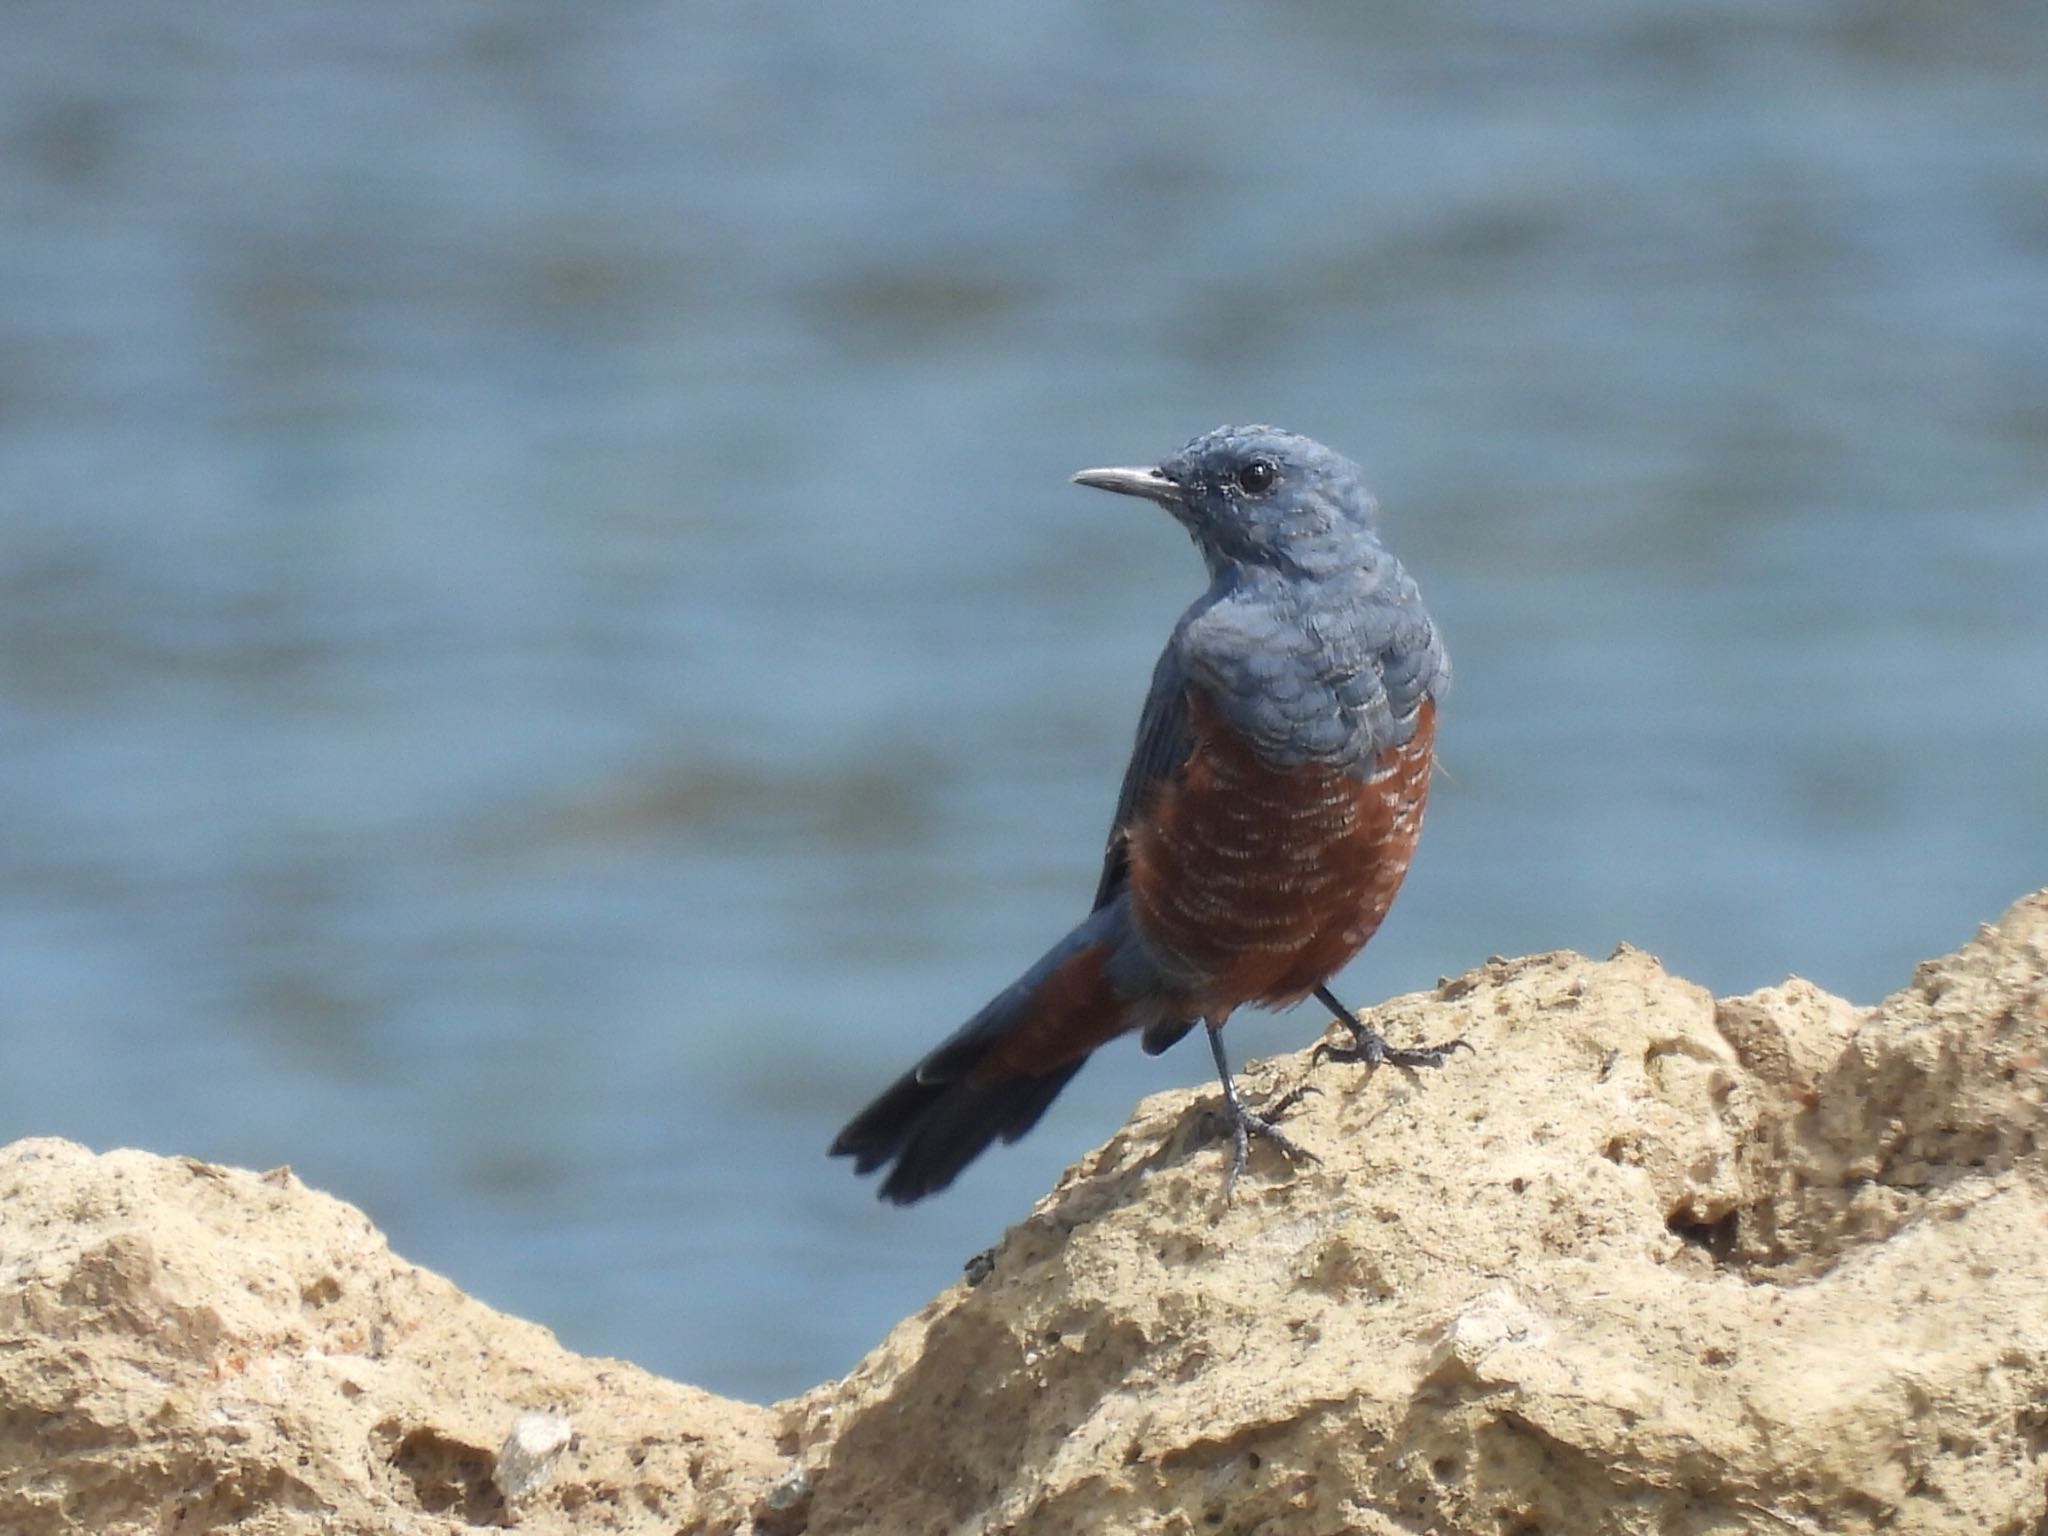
<point x="188" y="1348"/>
<point x="1648" y="1263"/>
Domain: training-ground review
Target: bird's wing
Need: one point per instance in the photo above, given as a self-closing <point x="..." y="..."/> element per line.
<point x="1164" y="741"/>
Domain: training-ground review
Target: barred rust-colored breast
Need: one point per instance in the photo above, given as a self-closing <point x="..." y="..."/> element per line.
<point x="1267" y="881"/>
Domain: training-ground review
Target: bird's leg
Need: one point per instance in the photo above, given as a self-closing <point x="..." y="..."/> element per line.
<point x="1244" y="1125"/>
<point x="1370" y="1046"/>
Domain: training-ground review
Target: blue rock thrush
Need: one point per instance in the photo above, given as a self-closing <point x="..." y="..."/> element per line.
<point x="1267" y="817"/>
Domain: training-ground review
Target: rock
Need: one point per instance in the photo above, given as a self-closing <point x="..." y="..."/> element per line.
<point x="187" y="1348"/>
<point x="1648" y="1264"/>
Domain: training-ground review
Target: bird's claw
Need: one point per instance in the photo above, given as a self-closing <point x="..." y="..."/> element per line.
<point x="1244" y="1125"/>
<point x="1289" y="1099"/>
<point x="1370" y="1046"/>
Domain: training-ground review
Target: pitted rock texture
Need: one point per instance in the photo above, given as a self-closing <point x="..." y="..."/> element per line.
<point x="1648" y="1263"/>
<point x="188" y="1348"/>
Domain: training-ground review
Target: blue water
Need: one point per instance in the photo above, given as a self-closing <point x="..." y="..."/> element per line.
<point x="545" y="648"/>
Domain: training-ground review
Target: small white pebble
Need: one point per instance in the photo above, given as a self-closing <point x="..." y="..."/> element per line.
<point x="791" y="1489"/>
<point x="530" y="1452"/>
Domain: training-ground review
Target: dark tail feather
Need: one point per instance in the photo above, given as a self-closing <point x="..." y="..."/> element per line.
<point x="1164" y="1036"/>
<point x="933" y="1130"/>
<point x="979" y="1085"/>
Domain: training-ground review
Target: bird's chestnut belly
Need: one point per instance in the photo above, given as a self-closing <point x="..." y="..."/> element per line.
<point x="1259" y="884"/>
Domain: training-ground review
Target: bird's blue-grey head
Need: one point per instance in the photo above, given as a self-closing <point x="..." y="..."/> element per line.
<point x="1259" y="496"/>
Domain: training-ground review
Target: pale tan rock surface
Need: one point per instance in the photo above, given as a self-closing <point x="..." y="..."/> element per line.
<point x="1646" y="1264"/>
<point x="188" y="1348"/>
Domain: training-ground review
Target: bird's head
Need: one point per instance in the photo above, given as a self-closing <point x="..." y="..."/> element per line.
<point x="1259" y="496"/>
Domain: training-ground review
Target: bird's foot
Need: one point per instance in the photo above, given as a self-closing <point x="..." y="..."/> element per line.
<point x="1370" y="1046"/>
<point x="1289" y="1099"/>
<point x="1244" y="1125"/>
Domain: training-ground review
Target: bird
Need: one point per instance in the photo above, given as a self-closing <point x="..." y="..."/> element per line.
<point x="1265" y="821"/>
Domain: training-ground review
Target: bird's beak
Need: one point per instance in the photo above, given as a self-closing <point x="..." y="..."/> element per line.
<point x="1148" y="483"/>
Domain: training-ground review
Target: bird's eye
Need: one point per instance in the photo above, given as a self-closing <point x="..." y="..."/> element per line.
<point x="1257" y="477"/>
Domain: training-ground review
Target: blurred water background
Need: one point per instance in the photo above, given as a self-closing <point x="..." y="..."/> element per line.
<point x="545" y="650"/>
